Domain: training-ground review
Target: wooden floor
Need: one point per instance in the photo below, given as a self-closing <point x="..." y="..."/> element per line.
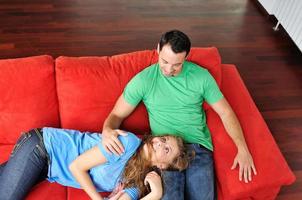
<point x="268" y="61"/>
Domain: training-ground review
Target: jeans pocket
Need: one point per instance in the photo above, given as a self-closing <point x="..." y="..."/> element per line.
<point x="42" y="153"/>
<point x="23" y="138"/>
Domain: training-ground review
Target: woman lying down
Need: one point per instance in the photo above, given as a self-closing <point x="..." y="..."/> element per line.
<point x="78" y="159"/>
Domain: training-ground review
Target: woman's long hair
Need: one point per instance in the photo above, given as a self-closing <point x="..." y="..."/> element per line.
<point x="138" y="166"/>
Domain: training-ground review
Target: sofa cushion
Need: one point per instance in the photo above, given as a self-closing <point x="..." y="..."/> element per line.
<point x="272" y="169"/>
<point x="5" y="151"/>
<point x="78" y="194"/>
<point x="47" y="191"/>
<point x="28" y="96"/>
<point x="88" y="87"/>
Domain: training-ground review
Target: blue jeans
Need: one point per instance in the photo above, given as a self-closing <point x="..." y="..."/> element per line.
<point x="194" y="183"/>
<point x="27" y="166"/>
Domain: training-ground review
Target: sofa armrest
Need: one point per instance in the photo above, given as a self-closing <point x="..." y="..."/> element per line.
<point x="273" y="171"/>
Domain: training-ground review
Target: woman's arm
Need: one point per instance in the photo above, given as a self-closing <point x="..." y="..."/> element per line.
<point x="155" y="183"/>
<point x="154" y="180"/>
<point x="80" y="166"/>
<point x="121" y="196"/>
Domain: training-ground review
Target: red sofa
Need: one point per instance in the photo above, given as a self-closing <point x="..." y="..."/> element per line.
<point x="79" y="92"/>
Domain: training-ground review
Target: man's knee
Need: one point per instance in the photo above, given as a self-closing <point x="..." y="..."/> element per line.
<point x="174" y="183"/>
<point x="200" y="176"/>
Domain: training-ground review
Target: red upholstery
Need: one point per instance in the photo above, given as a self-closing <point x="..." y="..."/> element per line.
<point x="273" y="170"/>
<point x="78" y="194"/>
<point x="5" y="150"/>
<point x="85" y="91"/>
<point x="28" y="96"/>
<point x="88" y="87"/>
<point x="48" y="191"/>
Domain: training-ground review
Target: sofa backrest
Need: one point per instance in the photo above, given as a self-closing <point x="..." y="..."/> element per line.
<point x="88" y="87"/>
<point x="28" y="96"/>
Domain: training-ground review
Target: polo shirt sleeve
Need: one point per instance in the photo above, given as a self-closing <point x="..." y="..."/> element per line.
<point x="131" y="141"/>
<point x="133" y="193"/>
<point x="134" y="90"/>
<point x="212" y="93"/>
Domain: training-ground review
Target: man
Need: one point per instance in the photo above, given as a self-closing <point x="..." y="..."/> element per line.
<point x="173" y="91"/>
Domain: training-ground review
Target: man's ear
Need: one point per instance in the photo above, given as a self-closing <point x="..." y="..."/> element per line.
<point x="158" y="48"/>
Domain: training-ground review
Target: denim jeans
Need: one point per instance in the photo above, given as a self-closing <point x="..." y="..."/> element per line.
<point x="27" y="166"/>
<point x="194" y="183"/>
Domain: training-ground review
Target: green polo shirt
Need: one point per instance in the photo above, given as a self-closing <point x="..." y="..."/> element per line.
<point x="174" y="103"/>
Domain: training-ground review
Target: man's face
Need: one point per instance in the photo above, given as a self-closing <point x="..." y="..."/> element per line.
<point x="170" y="63"/>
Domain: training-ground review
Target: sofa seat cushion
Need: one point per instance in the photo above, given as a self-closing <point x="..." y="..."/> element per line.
<point x="47" y="191"/>
<point x="88" y="87"/>
<point x="78" y="194"/>
<point x="28" y="96"/>
<point x="273" y="171"/>
<point x="5" y="151"/>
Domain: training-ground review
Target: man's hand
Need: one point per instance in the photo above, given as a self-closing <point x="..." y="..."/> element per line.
<point x="246" y="165"/>
<point x="154" y="180"/>
<point x="111" y="142"/>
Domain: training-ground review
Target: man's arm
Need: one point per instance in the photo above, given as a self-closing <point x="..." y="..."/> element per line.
<point x="120" y="111"/>
<point x="233" y="128"/>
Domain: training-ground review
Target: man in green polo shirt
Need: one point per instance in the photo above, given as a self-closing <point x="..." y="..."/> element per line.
<point x="173" y="91"/>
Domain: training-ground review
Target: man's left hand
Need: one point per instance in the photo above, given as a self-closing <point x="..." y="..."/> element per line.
<point x="246" y="165"/>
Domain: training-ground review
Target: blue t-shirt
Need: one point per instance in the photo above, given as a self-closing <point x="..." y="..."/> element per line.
<point x="64" y="145"/>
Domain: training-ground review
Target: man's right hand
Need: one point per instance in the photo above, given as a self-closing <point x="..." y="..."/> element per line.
<point x="111" y="142"/>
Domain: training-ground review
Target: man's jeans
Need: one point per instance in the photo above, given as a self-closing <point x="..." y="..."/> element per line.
<point x="27" y="166"/>
<point x="196" y="182"/>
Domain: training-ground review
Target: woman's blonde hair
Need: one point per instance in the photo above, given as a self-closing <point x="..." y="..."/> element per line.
<point x="138" y="166"/>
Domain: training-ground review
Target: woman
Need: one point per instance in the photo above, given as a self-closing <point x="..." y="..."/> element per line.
<point x="76" y="159"/>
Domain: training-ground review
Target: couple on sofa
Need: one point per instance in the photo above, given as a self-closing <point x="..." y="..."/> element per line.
<point x="172" y="91"/>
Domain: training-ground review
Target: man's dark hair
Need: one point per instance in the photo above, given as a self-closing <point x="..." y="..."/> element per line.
<point x="179" y="41"/>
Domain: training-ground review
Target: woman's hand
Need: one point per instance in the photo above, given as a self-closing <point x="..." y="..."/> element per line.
<point x="117" y="192"/>
<point x="155" y="182"/>
<point x="117" y="195"/>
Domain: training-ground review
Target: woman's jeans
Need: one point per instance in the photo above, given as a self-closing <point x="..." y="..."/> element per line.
<point x="27" y="166"/>
<point x="194" y="183"/>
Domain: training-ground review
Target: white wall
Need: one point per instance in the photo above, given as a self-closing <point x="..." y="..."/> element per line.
<point x="268" y="5"/>
<point x="289" y="15"/>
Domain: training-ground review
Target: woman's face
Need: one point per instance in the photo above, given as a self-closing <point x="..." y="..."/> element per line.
<point x="164" y="151"/>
